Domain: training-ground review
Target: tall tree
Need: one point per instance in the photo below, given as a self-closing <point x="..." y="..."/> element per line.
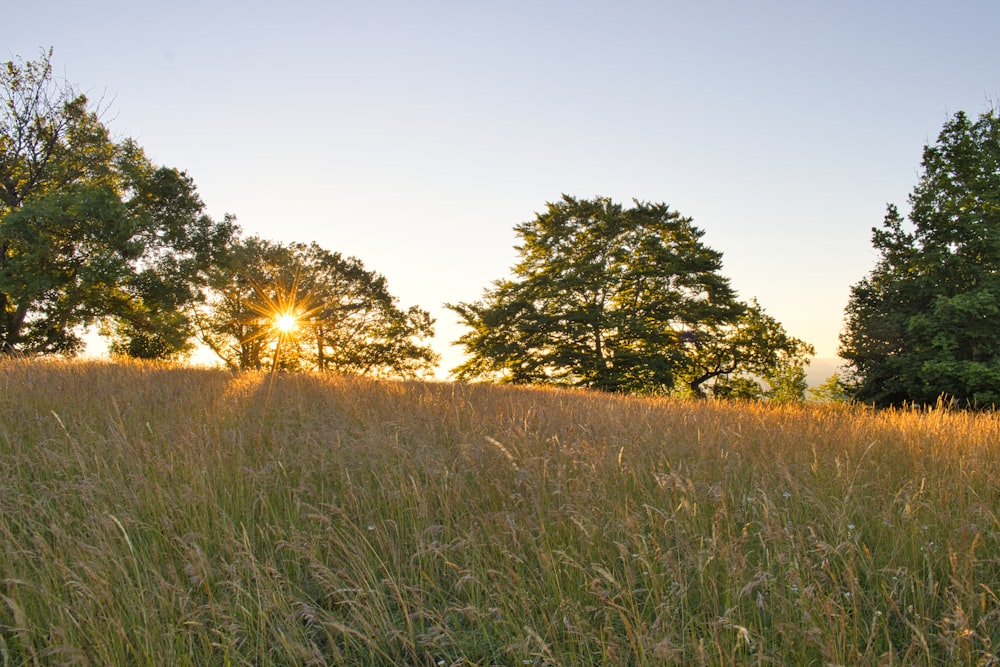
<point x="300" y="306"/>
<point x="90" y="229"/>
<point x="922" y="324"/>
<point x="606" y="297"/>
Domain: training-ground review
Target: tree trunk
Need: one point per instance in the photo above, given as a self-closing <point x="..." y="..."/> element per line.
<point x="695" y="385"/>
<point x="320" y="355"/>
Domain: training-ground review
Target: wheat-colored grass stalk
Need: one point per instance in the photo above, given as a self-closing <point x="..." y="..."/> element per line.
<point x="153" y="514"/>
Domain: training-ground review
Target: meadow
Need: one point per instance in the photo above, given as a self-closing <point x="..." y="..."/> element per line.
<point x="155" y="515"/>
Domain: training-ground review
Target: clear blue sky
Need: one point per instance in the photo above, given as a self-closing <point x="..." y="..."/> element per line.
<point x="415" y="135"/>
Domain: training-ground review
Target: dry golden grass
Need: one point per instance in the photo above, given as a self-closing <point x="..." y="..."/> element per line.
<point x="154" y="515"/>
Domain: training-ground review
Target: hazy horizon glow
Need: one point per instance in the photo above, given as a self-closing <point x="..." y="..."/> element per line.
<point x="415" y="136"/>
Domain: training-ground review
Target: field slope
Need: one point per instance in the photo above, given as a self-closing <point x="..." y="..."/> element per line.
<point x="154" y="515"/>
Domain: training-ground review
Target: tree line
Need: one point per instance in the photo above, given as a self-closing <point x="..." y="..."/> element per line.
<point x="603" y="296"/>
<point x="92" y="232"/>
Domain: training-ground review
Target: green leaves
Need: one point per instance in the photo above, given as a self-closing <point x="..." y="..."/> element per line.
<point x="346" y="318"/>
<point x="609" y="298"/>
<point x="64" y="255"/>
<point x="91" y="229"/>
<point x="923" y="323"/>
<point x="740" y="353"/>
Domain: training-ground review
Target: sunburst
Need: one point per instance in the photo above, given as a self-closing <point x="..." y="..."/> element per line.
<point x="281" y="313"/>
<point x="286" y="323"/>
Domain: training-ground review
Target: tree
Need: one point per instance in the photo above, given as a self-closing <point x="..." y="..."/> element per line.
<point x="728" y="358"/>
<point x="832" y="390"/>
<point x="616" y="299"/>
<point x="788" y="383"/>
<point x="180" y="246"/>
<point x="238" y="321"/>
<point x="90" y="229"/>
<point x="785" y="384"/>
<point x="300" y="306"/>
<point x="922" y="324"/>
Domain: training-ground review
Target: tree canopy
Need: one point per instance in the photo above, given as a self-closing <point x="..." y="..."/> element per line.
<point x="923" y="323"/>
<point x="603" y="296"/>
<point x="617" y="299"/>
<point x="90" y="229"/>
<point x="298" y="306"/>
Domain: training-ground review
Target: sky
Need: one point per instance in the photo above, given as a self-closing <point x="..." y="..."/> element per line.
<point x="415" y="135"/>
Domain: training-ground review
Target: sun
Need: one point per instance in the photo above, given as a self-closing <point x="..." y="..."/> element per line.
<point x="286" y="322"/>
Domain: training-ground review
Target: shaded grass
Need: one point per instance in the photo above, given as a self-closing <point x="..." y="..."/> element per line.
<point x="162" y="515"/>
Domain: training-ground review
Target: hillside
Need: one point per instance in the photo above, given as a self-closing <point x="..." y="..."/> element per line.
<point x="157" y="515"/>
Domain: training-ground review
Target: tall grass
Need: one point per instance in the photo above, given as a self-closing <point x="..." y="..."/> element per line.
<point x="152" y="515"/>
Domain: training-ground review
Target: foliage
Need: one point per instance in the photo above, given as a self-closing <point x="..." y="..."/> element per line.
<point x="788" y="383"/>
<point x="785" y="384"/>
<point x="183" y="516"/>
<point x="344" y="317"/>
<point x="90" y="229"/>
<point x="616" y="299"/>
<point x="730" y="355"/>
<point x="832" y="390"/>
<point x="923" y="323"/>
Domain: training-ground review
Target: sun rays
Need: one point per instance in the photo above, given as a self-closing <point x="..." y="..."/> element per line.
<point x="280" y="314"/>
<point x="285" y="323"/>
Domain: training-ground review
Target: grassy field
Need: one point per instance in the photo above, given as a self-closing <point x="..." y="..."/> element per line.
<point x="152" y="515"/>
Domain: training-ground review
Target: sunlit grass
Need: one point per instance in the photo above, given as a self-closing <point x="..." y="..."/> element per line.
<point x="155" y="515"/>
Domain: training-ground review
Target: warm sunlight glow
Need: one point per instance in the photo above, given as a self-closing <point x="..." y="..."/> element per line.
<point x="286" y="322"/>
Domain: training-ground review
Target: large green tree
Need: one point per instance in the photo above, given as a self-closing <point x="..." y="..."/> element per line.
<point x="90" y="229"/>
<point x="301" y="306"/>
<point x="616" y="299"/>
<point x="923" y="323"/>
